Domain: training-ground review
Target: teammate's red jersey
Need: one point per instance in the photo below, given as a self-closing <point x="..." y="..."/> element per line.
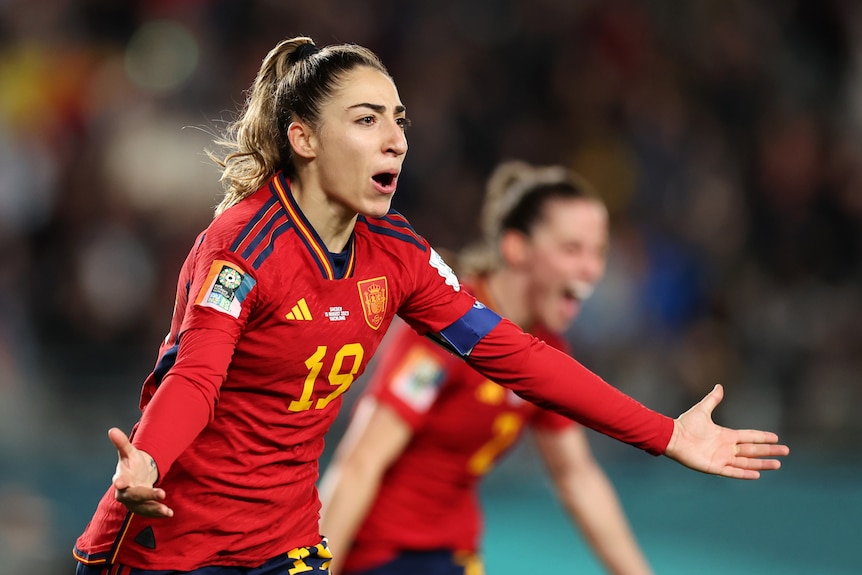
<point x="269" y="330"/>
<point x="462" y="424"/>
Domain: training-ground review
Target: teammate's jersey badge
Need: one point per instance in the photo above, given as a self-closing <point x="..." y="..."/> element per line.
<point x="373" y="294"/>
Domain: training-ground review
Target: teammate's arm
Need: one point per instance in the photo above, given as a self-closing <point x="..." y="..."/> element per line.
<point x="376" y="436"/>
<point x="590" y="499"/>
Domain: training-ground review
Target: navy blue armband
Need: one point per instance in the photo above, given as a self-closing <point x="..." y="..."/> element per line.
<point x="463" y="335"/>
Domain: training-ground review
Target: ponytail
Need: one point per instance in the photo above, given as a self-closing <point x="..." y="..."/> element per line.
<point x="515" y="196"/>
<point x="294" y="81"/>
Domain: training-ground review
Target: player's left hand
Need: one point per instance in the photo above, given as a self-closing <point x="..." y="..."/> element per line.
<point x="134" y="479"/>
<point x="699" y="444"/>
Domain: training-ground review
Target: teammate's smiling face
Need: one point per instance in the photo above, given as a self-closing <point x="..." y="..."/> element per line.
<point x="360" y="144"/>
<point x="567" y="256"/>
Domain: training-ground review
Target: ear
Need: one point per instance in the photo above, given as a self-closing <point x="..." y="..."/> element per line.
<point x="514" y="248"/>
<point x="301" y="138"/>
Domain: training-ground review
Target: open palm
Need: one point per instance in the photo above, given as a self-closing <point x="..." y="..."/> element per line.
<point x="133" y="480"/>
<point x="699" y="444"/>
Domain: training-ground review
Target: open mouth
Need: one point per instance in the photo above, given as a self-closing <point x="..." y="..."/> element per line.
<point x="385" y="180"/>
<point x="578" y="290"/>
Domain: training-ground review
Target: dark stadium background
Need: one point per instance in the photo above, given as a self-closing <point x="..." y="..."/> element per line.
<point x="724" y="136"/>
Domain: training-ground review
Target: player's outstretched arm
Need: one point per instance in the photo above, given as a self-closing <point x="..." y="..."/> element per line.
<point x="699" y="444"/>
<point x="134" y="479"/>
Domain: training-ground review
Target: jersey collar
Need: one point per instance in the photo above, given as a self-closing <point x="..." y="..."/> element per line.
<point x="280" y="187"/>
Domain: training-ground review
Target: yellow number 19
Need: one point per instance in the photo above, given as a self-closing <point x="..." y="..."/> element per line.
<point x="341" y="380"/>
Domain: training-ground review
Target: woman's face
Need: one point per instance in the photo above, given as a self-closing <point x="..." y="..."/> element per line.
<point x="565" y="257"/>
<point x="360" y="144"/>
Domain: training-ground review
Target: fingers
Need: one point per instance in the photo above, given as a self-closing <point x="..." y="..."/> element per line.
<point x="138" y="495"/>
<point x="748" y="468"/>
<point x="144" y="501"/>
<point x="752" y="458"/>
<point x="759" y="437"/>
<point x="756" y="455"/>
<point x="152" y="510"/>
<point x="761" y="450"/>
<point x="757" y="464"/>
<point x="739" y="473"/>
<point x="121" y="442"/>
<point x="713" y="398"/>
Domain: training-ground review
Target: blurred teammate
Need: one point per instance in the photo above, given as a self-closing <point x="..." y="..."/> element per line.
<point x="402" y="493"/>
<point x="280" y="304"/>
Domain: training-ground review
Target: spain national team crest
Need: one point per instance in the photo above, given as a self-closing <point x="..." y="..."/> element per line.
<point x="373" y="294"/>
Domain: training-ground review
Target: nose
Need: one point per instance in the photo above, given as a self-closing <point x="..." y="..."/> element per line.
<point x="396" y="139"/>
<point x="593" y="265"/>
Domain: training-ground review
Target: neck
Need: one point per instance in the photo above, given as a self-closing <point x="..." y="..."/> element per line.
<point x="332" y="221"/>
<point x="508" y="289"/>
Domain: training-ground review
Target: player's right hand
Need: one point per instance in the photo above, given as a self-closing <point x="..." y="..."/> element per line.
<point x="134" y="479"/>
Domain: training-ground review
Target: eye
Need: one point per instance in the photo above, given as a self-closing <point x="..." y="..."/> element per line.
<point x="403" y="123"/>
<point x="573" y="248"/>
<point x="366" y="120"/>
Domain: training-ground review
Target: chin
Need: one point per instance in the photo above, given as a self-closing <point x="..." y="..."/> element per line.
<point x="375" y="213"/>
<point x="377" y="209"/>
<point x="559" y="327"/>
<point x="560" y="322"/>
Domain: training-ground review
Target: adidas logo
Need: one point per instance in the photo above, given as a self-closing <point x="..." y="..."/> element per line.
<point x="299" y="312"/>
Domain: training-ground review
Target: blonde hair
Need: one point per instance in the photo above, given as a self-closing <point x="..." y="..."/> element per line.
<point x="515" y="195"/>
<point x="295" y="79"/>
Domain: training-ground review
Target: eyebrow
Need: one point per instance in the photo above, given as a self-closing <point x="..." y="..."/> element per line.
<point x="380" y="109"/>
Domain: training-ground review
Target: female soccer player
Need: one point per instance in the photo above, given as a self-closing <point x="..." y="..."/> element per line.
<point x="402" y="493"/>
<point x="280" y="304"/>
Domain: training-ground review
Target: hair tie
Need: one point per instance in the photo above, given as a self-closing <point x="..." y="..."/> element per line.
<point x="303" y="51"/>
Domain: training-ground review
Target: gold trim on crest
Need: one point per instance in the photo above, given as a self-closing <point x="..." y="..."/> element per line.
<point x="373" y="294"/>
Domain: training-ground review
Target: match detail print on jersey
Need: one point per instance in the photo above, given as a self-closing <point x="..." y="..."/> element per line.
<point x="225" y="288"/>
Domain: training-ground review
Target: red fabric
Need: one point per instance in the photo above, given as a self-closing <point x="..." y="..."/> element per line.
<point x="186" y="399"/>
<point x="506" y="354"/>
<point x="463" y="424"/>
<point x="262" y="343"/>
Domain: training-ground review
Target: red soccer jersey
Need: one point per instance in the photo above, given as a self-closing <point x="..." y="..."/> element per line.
<point x="269" y="330"/>
<point x="260" y="283"/>
<point x="462" y="425"/>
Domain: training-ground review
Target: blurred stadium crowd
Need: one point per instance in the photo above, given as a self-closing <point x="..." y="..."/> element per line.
<point x="724" y="136"/>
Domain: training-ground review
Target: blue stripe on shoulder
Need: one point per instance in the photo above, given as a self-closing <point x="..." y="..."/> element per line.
<point x="404" y="237"/>
<point x="463" y="335"/>
<point x="252" y="245"/>
<point x="269" y="247"/>
<point x="251" y="224"/>
<point x="401" y="223"/>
